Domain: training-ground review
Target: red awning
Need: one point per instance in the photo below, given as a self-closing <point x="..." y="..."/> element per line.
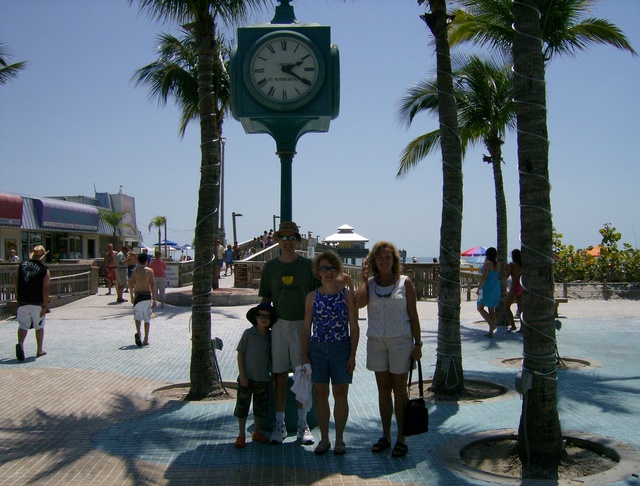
<point x="10" y="210"/>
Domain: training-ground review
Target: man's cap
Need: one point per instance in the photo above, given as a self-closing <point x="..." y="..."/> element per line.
<point x="288" y="226"/>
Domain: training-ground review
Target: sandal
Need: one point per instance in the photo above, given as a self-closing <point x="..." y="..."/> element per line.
<point x="340" y="448"/>
<point x="240" y="442"/>
<point x="382" y="444"/>
<point x="322" y="447"/>
<point x="399" y="450"/>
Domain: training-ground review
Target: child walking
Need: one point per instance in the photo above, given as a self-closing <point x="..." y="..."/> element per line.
<point x="254" y="372"/>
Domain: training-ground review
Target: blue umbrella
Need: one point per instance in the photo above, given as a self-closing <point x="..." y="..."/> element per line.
<point x="168" y="243"/>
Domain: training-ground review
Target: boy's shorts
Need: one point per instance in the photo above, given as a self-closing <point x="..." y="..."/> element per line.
<point x="142" y="311"/>
<point x="392" y="354"/>
<point x="260" y="392"/>
<point x="286" y="348"/>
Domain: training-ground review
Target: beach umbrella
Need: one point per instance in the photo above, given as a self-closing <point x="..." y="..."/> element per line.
<point x="168" y="243"/>
<point x="475" y="251"/>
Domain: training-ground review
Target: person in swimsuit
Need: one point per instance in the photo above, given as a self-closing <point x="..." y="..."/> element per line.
<point x="142" y="290"/>
<point x="514" y="270"/>
<point x="489" y="289"/>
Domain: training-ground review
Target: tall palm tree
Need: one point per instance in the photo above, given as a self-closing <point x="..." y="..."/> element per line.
<point x="174" y="75"/>
<point x="484" y="91"/>
<point x="564" y="26"/>
<point x="8" y="71"/>
<point x="540" y="434"/>
<point x="200" y="17"/>
<point x="448" y="375"/>
<point x="159" y="222"/>
<point x="549" y="27"/>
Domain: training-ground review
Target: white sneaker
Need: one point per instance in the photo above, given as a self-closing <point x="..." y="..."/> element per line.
<point x="304" y="434"/>
<point x="279" y="433"/>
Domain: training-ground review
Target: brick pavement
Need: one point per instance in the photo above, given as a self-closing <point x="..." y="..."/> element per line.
<point x="83" y="414"/>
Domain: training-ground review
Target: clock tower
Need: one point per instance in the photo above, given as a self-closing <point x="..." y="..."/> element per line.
<point x="285" y="81"/>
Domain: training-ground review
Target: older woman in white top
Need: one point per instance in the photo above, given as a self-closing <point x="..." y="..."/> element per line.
<point x="393" y="335"/>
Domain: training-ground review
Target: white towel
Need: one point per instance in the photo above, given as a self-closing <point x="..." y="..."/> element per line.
<point x="301" y="387"/>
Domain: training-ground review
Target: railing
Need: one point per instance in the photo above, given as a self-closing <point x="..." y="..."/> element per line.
<point x="68" y="282"/>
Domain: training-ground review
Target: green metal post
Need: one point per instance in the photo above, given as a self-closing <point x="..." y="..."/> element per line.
<point x="286" y="162"/>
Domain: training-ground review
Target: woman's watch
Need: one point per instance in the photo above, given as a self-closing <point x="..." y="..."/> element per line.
<point x="418" y="343"/>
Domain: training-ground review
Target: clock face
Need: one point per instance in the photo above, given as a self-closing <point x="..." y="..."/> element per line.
<point x="284" y="71"/>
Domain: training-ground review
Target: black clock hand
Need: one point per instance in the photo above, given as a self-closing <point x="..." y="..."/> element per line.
<point x="289" y="70"/>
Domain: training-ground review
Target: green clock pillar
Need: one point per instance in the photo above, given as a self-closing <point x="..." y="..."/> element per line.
<point x="285" y="81"/>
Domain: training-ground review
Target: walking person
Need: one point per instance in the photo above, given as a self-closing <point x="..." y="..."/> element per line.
<point x="330" y="335"/>
<point x="228" y="260"/>
<point x="142" y="291"/>
<point x="514" y="271"/>
<point x="285" y="282"/>
<point x="159" y="268"/>
<point x="31" y="288"/>
<point x="489" y="289"/>
<point x="109" y="267"/>
<point x="393" y="336"/>
<point x="121" y="273"/>
<point x="254" y="372"/>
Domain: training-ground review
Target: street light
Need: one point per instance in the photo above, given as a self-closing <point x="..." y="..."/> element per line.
<point x="221" y="213"/>
<point x="274" y="222"/>
<point x="233" y="217"/>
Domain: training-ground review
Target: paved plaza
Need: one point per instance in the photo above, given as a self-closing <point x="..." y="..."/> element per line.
<point x="84" y="414"/>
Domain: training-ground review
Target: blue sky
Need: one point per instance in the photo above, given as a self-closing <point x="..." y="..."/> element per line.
<point x="73" y="120"/>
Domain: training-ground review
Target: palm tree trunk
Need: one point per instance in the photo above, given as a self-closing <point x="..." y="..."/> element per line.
<point x="204" y="377"/>
<point x="501" y="231"/>
<point x="540" y="435"/>
<point x="448" y="375"/>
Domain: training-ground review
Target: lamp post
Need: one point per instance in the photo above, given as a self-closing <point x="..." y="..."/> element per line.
<point x="274" y="222"/>
<point x="221" y="231"/>
<point x="233" y="217"/>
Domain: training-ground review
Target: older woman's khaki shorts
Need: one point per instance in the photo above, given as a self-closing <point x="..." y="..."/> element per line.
<point x="392" y="354"/>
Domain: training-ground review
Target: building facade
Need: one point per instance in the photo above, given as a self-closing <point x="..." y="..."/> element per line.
<point x="69" y="227"/>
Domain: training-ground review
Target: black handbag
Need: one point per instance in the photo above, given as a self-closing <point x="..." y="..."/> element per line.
<point x="416" y="415"/>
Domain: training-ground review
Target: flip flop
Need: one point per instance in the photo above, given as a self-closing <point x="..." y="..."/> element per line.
<point x="136" y="336"/>
<point x="381" y="445"/>
<point x="41" y="354"/>
<point x="19" y="352"/>
<point x="340" y="448"/>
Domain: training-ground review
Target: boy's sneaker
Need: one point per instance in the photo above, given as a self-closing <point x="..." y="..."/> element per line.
<point x="259" y="437"/>
<point x="279" y="433"/>
<point x="304" y="434"/>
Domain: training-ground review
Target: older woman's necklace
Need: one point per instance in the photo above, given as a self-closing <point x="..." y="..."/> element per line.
<point x="383" y="293"/>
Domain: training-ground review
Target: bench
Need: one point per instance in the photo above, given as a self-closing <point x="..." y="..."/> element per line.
<point x="560" y="300"/>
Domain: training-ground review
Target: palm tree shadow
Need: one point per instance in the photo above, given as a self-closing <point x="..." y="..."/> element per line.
<point x="69" y="438"/>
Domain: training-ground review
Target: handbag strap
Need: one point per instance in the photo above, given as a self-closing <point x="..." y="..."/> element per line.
<point x="420" y="386"/>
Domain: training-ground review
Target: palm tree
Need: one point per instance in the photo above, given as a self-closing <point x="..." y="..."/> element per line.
<point x="8" y="71"/>
<point x="113" y="219"/>
<point x="199" y="17"/>
<point x="548" y="27"/>
<point x="484" y="91"/>
<point x="174" y="75"/>
<point x="564" y="26"/>
<point x="448" y="375"/>
<point x="540" y="434"/>
<point x="159" y="222"/>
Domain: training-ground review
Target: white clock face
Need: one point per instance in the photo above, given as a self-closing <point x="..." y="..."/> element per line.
<point x="284" y="71"/>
